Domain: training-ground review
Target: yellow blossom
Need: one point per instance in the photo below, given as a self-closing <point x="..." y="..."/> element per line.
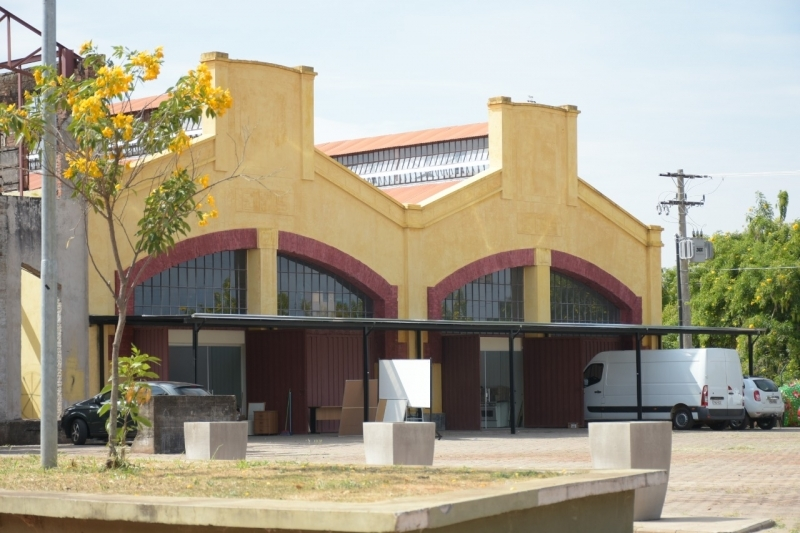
<point x="37" y="76"/>
<point x="118" y="187"/>
<point x="214" y="213"/>
<point x="211" y="201"/>
<point x="112" y="81"/>
<point x="795" y="226"/>
<point x="150" y="63"/>
<point x="179" y="143"/>
<point x="199" y="206"/>
<point x="203" y="180"/>
<point x="85" y="47"/>
<point x="108" y="132"/>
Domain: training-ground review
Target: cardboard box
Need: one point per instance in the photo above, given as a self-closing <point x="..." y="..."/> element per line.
<point x="265" y="423"/>
<point x="352" y="416"/>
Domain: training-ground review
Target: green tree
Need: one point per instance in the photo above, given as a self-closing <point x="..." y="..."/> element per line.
<point x="669" y="305"/>
<point x="101" y="171"/>
<point x="133" y="392"/>
<point x="754" y="282"/>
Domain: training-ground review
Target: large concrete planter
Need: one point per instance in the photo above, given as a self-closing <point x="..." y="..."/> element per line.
<point x="167" y="415"/>
<point x="637" y="445"/>
<point x="215" y="440"/>
<point x="599" y="501"/>
<point x="399" y="443"/>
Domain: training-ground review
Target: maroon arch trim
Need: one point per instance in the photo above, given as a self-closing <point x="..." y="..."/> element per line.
<point x="188" y="249"/>
<point x="383" y="294"/>
<point x="471" y="272"/>
<point x="629" y="305"/>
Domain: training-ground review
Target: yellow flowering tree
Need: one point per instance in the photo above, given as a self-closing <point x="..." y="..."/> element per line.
<point x="98" y="144"/>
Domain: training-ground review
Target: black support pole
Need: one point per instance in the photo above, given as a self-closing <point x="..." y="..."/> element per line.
<point x="511" y="409"/>
<point x="750" y="354"/>
<point x="430" y="385"/>
<point x="101" y="361"/>
<point x="195" y="331"/>
<point x="365" y="352"/>
<point x="660" y="338"/>
<point x="638" y="376"/>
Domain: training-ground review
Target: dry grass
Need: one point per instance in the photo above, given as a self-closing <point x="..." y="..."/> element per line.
<point x="250" y="479"/>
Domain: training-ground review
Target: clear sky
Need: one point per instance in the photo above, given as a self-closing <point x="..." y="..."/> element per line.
<point x="710" y="87"/>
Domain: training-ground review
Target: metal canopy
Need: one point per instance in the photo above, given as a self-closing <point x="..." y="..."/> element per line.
<point x="455" y="326"/>
<point x="367" y="325"/>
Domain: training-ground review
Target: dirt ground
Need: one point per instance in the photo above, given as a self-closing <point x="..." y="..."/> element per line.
<point x="752" y="473"/>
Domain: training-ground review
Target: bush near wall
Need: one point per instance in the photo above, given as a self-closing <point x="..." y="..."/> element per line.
<point x="791" y="399"/>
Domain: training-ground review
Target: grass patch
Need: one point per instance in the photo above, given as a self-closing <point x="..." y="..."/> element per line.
<point x="251" y="479"/>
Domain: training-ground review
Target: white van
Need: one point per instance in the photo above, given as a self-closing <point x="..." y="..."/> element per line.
<point x="691" y="386"/>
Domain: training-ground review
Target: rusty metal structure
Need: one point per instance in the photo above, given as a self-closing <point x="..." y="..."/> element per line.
<point x="67" y="63"/>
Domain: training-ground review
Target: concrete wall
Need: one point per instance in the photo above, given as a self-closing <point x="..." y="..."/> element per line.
<point x="20" y="247"/>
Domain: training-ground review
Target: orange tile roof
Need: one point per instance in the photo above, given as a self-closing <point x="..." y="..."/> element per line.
<point x="410" y="138"/>
<point x="137" y="104"/>
<point x="414" y="194"/>
<point x="34" y="181"/>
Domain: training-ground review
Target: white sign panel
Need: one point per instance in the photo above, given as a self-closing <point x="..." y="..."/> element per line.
<point x="405" y="379"/>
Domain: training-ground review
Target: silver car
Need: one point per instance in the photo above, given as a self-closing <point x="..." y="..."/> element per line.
<point x="763" y="404"/>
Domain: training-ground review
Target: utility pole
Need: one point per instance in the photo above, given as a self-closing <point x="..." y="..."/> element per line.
<point x="49" y="347"/>
<point x="684" y="311"/>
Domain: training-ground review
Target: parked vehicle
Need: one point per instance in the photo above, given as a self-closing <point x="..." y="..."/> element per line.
<point x="80" y="421"/>
<point x="763" y="404"/>
<point x="688" y="387"/>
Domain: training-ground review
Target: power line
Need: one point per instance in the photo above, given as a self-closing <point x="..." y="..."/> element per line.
<point x="759" y="268"/>
<point x="751" y="174"/>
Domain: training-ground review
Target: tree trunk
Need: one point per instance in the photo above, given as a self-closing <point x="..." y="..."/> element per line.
<point x="122" y="305"/>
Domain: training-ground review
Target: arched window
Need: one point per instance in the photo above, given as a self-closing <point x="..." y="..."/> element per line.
<point x="214" y="283"/>
<point x="495" y="296"/>
<point x="572" y="301"/>
<point x="304" y="290"/>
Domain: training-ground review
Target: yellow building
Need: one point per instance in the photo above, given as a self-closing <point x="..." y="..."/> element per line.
<point x="486" y="221"/>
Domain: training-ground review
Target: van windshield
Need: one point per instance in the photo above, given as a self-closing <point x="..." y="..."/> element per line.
<point x="765" y="385"/>
<point x="593" y="374"/>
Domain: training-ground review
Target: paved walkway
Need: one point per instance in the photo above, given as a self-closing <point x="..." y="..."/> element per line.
<point x="750" y="473"/>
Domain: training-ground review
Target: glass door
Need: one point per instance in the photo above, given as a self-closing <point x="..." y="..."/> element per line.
<point x="219" y="368"/>
<point x="495" y="383"/>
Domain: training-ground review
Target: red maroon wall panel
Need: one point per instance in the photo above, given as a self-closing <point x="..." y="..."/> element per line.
<point x="155" y="342"/>
<point x="276" y="363"/>
<point x="553" y="378"/>
<point x="461" y="382"/>
<point x="332" y="357"/>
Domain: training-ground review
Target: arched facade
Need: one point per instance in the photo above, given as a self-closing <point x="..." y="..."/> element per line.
<point x="405" y="248"/>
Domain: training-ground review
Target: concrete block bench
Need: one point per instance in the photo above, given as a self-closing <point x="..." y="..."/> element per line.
<point x="646" y="445"/>
<point x="399" y="443"/>
<point x="215" y="440"/>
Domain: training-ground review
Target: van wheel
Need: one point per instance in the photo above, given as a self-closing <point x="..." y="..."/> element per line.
<point x="766" y="423"/>
<point x="682" y="419"/>
<point x="739" y="425"/>
<point x="79" y="432"/>
<point x="718" y="426"/>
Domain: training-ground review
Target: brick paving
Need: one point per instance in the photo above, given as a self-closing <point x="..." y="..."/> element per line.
<point x="752" y="473"/>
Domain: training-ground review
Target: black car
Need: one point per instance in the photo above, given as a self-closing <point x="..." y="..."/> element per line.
<point x="80" y="421"/>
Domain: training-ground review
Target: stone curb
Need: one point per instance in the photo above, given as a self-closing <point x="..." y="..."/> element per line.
<point x="406" y="514"/>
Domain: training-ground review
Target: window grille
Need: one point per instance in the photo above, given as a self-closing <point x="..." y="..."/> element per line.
<point x="214" y="283"/>
<point x="304" y="290"/>
<point x="572" y="301"/>
<point x="421" y="163"/>
<point x="496" y="296"/>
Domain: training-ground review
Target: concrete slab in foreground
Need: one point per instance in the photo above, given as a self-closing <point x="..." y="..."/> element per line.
<point x="690" y="524"/>
<point x="597" y="501"/>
